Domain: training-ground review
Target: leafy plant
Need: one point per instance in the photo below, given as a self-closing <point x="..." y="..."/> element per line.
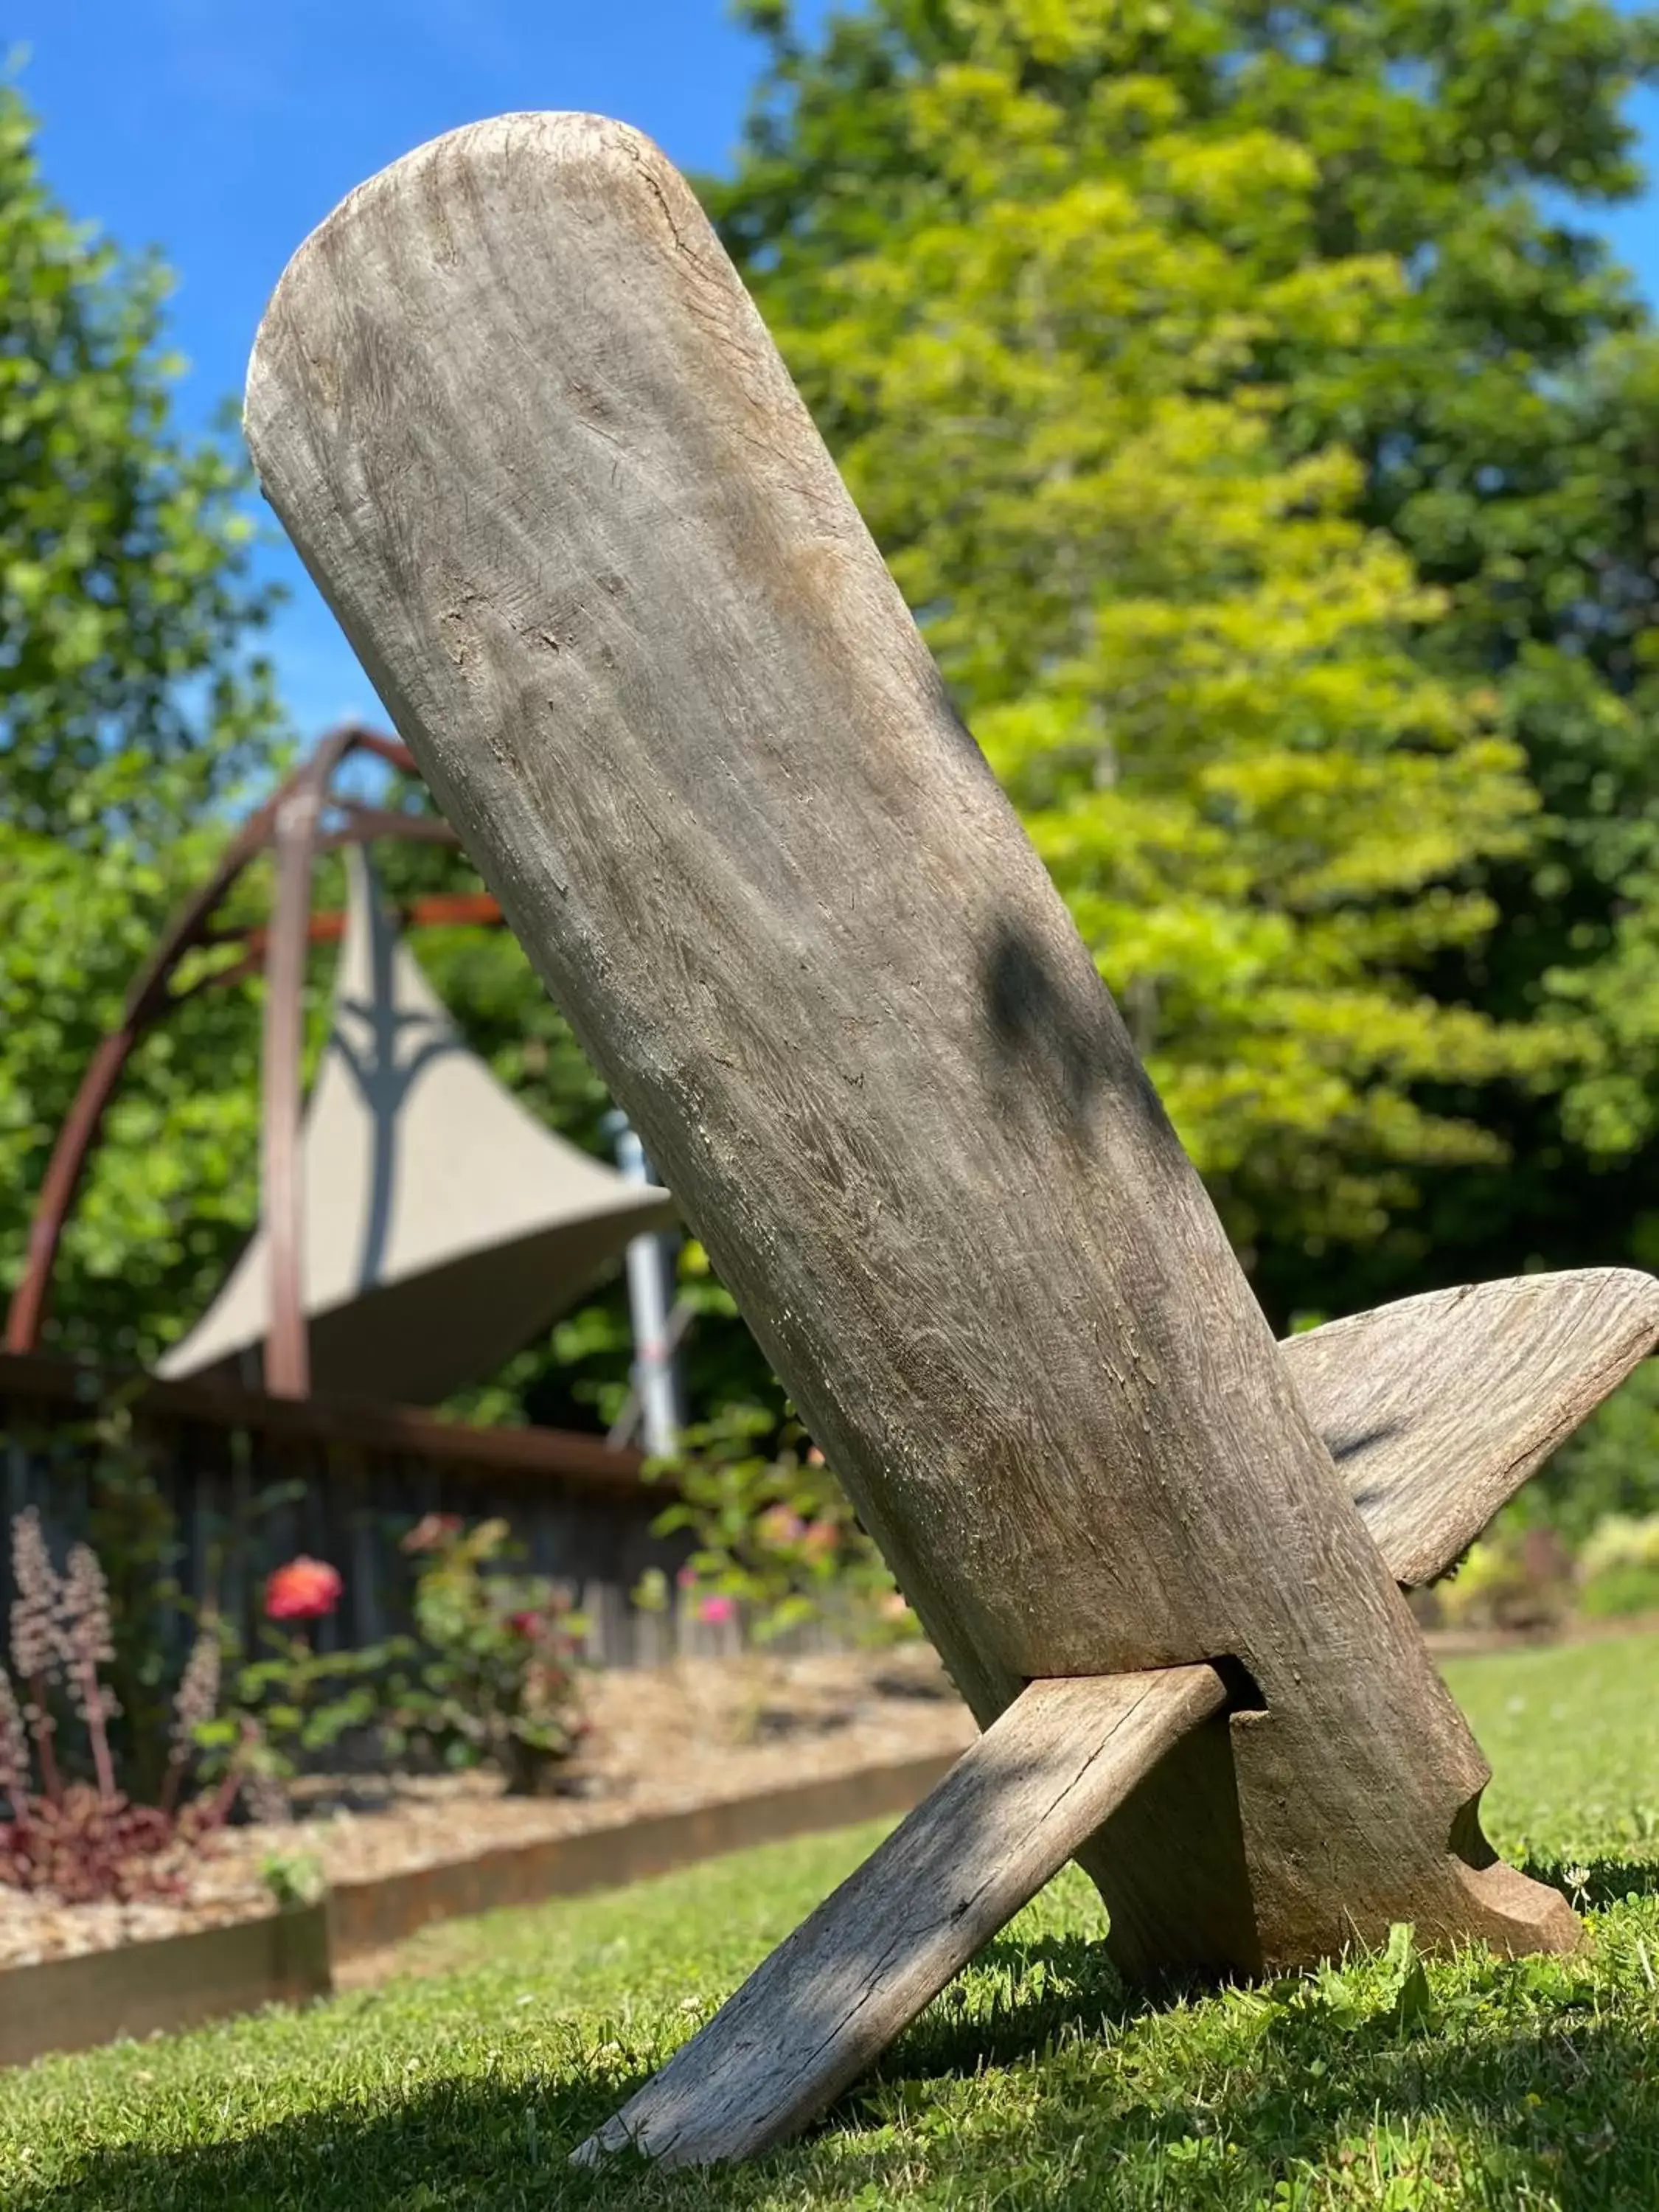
<point x="1515" y="1576"/>
<point x="295" y="1701"/>
<point x="496" y="1663"/>
<point x="134" y="1534"/>
<point x="1619" y="1567"/>
<point x="293" y="1878"/>
<point x="777" y="1542"/>
<point x="81" y="1840"/>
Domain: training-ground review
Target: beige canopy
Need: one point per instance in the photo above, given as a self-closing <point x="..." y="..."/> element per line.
<point x="444" y="1226"/>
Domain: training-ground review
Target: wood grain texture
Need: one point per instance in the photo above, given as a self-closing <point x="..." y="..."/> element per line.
<point x="832" y="1997"/>
<point x="532" y="441"/>
<point x="1436" y="1409"/>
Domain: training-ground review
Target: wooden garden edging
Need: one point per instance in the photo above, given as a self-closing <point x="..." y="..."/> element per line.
<point x="292" y="1958"/>
<point x="176" y="1982"/>
<point x="365" y="1916"/>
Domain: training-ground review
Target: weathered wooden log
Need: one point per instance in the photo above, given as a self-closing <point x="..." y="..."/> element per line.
<point x="830" y="1998"/>
<point x="1436" y="1409"/>
<point x="532" y="441"/>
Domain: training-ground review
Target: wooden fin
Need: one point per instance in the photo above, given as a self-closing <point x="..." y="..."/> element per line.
<point x="1436" y="1409"/>
<point x="835" y="1994"/>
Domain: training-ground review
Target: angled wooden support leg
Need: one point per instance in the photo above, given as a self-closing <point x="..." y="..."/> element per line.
<point x="831" y="1997"/>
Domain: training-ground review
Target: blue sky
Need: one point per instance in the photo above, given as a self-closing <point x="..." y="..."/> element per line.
<point x="222" y="130"/>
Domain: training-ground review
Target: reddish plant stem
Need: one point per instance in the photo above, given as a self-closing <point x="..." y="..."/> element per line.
<point x="43" y="1728"/>
<point x="171" y="1781"/>
<point x="219" y="1805"/>
<point x="103" y="1765"/>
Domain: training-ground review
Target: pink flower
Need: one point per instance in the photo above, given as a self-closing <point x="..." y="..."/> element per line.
<point x="717" y="1609"/>
<point x="527" y="1624"/>
<point x="819" y="1538"/>
<point x="305" y="1590"/>
<point x="431" y="1533"/>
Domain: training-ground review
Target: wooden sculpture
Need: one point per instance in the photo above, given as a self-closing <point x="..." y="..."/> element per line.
<point x="534" y="444"/>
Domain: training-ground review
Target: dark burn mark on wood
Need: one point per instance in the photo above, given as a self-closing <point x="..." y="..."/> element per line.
<point x="1058" y="1054"/>
<point x="1037" y="1029"/>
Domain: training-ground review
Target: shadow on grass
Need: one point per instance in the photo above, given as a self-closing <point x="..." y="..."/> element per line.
<point x="1042" y="1993"/>
<point x="1123" y="2101"/>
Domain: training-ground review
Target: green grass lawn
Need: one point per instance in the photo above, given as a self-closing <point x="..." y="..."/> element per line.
<point x="1033" y="2082"/>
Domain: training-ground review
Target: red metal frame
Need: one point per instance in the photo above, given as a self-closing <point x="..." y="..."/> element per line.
<point x="290" y="820"/>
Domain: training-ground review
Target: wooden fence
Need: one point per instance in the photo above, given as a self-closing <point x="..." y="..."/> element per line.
<point x="248" y="1481"/>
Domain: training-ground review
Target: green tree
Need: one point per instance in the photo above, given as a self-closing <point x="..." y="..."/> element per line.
<point x="1079" y="297"/>
<point x="124" y="603"/>
<point x="1265" y="457"/>
<point x="133" y="716"/>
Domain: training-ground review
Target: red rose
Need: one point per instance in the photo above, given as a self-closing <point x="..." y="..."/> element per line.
<point x="305" y="1590"/>
<point x="527" y="1624"/>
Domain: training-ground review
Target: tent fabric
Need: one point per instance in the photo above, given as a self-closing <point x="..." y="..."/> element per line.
<point x="444" y="1226"/>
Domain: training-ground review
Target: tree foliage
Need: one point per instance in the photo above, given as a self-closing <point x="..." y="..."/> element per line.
<point x="1269" y="468"/>
<point x="132" y="715"/>
<point x="124" y="593"/>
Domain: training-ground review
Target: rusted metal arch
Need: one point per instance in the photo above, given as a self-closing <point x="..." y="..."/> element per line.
<point x="294" y="831"/>
<point x="291" y="821"/>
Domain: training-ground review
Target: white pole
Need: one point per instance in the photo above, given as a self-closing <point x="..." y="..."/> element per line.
<point x="655" y="1377"/>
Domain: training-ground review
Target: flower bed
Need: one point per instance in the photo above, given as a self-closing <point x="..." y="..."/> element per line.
<point x="122" y="1764"/>
<point x="662" y="1741"/>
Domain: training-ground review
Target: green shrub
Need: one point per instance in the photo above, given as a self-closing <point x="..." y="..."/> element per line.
<point x="1609" y="1467"/>
<point x="777" y="1542"/>
<point x="1514" y="1577"/>
<point x="1619" y="1567"/>
<point x="496" y="1670"/>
